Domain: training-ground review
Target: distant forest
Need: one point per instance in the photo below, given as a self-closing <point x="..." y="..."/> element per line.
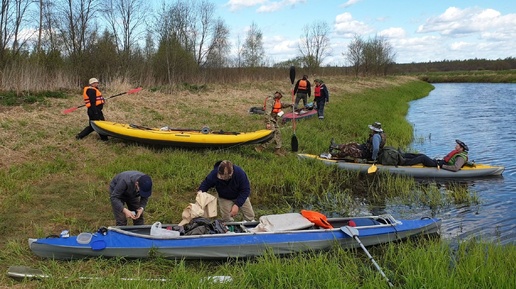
<point x="455" y="65"/>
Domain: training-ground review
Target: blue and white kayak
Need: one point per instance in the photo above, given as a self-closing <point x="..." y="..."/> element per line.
<point x="243" y="239"/>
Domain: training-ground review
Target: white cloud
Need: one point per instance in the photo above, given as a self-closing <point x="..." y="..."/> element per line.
<point x="265" y="6"/>
<point x="347" y="26"/>
<point x="241" y="4"/>
<point x="393" y="32"/>
<point x="350" y="3"/>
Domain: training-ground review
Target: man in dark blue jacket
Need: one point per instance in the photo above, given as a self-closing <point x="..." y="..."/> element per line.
<point x="134" y="189"/>
<point x="233" y="188"/>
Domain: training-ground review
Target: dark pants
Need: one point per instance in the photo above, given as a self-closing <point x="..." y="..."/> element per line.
<point x="412" y="159"/>
<point x="93" y="114"/>
<point x="132" y="205"/>
<point x="320" y="107"/>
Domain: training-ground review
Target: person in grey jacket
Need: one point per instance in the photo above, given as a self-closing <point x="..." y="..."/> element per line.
<point x="131" y="188"/>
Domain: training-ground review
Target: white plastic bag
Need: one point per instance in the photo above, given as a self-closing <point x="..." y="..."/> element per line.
<point x="157" y="231"/>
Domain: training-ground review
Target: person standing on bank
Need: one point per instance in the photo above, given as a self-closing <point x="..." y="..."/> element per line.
<point x="272" y="122"/>
<point x="321" y="97"/>
<point x="94" y="102"/>
<point x="302" y="90"/>
<point x="233" y="189"/>
<point x="131" y="188"/>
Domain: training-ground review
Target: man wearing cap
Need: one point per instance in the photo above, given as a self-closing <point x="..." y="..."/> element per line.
<point x="131" y="188"/>
<point x="272" y="120"/>
<point x="233" y="188"/>
<point x="368" y="150"/>
<point x="94" y="101"/>
<point x="453" y="161"/>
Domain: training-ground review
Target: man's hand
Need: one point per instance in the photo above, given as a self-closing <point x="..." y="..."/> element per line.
<point x="234" y="211"/>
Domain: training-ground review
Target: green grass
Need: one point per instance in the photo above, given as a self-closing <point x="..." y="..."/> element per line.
<point x="53" y="182"/>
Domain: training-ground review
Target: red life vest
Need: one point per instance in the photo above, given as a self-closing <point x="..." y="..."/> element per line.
<point x="98" y="100"/>
<point x="317" y="91"/>
<point x="303" y="84"/>
<point x="276" y="108"/>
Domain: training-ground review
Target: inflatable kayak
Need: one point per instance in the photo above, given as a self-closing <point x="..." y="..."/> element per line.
<point x="301" y="114"/>
<point x="417" y="171"/>
<point x="193" y="138"/>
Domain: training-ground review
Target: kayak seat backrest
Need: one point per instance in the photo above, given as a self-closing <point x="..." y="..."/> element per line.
<point x="360" y="222"/>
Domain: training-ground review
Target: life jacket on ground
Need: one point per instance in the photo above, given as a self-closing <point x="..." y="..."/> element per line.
<point x="317" y="218"/>
<point x="98" y="96"/>
<point x="303" y="84"/>
<point x="317" y="91"/>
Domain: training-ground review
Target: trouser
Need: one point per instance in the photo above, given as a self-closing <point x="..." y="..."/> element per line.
<point x="132" y="205"/>
<point x="301" y="96"/>
<point x="320" y="107"/>
<point x="413" y="159"/>
<point x="225" y="206"/>
<point x="89" y="129"/>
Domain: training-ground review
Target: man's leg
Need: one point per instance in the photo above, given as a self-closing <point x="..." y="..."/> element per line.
<point x="247" y="210"/>
<point x="225" y="206"/>
<point x="119" y="218"/>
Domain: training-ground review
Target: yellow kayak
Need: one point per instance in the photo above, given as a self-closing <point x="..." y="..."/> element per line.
<point x="193" y="138"/>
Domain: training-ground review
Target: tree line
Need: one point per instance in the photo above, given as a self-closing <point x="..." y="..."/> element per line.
<point x="62" y="43"/>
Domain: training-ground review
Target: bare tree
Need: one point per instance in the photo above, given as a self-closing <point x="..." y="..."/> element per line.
<point x="77" y="25"/>
<point x="217" y="54"/>
<point x="314" y="44"/>
<point x="125" y="18"/>
<point x="354" y="54"/>
<point x="252" y="49"/>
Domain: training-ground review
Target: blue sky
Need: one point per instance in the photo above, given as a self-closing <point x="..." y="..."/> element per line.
<point x="419" y="31"/>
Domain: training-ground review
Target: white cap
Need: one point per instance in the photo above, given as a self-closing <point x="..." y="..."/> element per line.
<point x="93" y="80"/>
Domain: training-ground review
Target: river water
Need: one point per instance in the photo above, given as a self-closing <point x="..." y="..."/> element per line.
<point x="481" y="115"/>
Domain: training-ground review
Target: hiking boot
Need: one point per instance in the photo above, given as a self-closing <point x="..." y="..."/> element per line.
<point x="333" y="145"/>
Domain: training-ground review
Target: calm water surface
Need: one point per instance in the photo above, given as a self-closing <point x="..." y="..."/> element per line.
<point x="482" y="115"/>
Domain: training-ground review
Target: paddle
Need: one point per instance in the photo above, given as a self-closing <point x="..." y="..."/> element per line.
<point x="72" y="109"/>
<point x="372" y="169"/>
<point x="24" y="272"/>
<point x="294" y="144"/>
<point x="352" y="232"/>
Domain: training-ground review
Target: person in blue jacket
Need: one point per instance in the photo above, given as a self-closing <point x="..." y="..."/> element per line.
<point x="233" y="189"/>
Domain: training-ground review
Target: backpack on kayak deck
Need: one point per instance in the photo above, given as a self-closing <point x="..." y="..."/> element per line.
<point x="389" y="156"/>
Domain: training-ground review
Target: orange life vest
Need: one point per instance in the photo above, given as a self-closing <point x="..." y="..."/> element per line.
<point x="317" y="218"/>
<point x="98" y="99"/>
<point x="276" y="108"/>
<point x="303" y="84"/>
<point x="317" y="91"/>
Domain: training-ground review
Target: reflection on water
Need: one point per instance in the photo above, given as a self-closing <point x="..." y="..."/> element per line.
<point x="482" y="116"/>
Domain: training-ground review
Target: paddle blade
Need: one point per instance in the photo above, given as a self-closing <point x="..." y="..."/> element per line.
<point x="294" y="143"/>
<point x="372" y="169"/>
<point x="134" y="90"/>
<point x="71" y="109"/>
<point x="292" y="74"/>
<point x="350" y="231"/>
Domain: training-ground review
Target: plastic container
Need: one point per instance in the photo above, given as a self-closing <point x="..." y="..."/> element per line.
<point x="84" y="238"/>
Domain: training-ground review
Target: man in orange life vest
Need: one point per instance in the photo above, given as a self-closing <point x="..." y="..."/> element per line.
<point x="271" y="122"/>
<point x="453" y="161"/>
<point x="302" y="90"/>
<point x="94" y="102"/>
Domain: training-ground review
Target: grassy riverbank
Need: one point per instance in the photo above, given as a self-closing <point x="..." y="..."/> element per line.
<point x="52" y="182"/>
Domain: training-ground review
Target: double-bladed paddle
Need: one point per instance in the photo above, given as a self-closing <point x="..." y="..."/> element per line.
<point x="72" y="109"/>
<point x="294" y="144"/>
<point x="353" y="233"/>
